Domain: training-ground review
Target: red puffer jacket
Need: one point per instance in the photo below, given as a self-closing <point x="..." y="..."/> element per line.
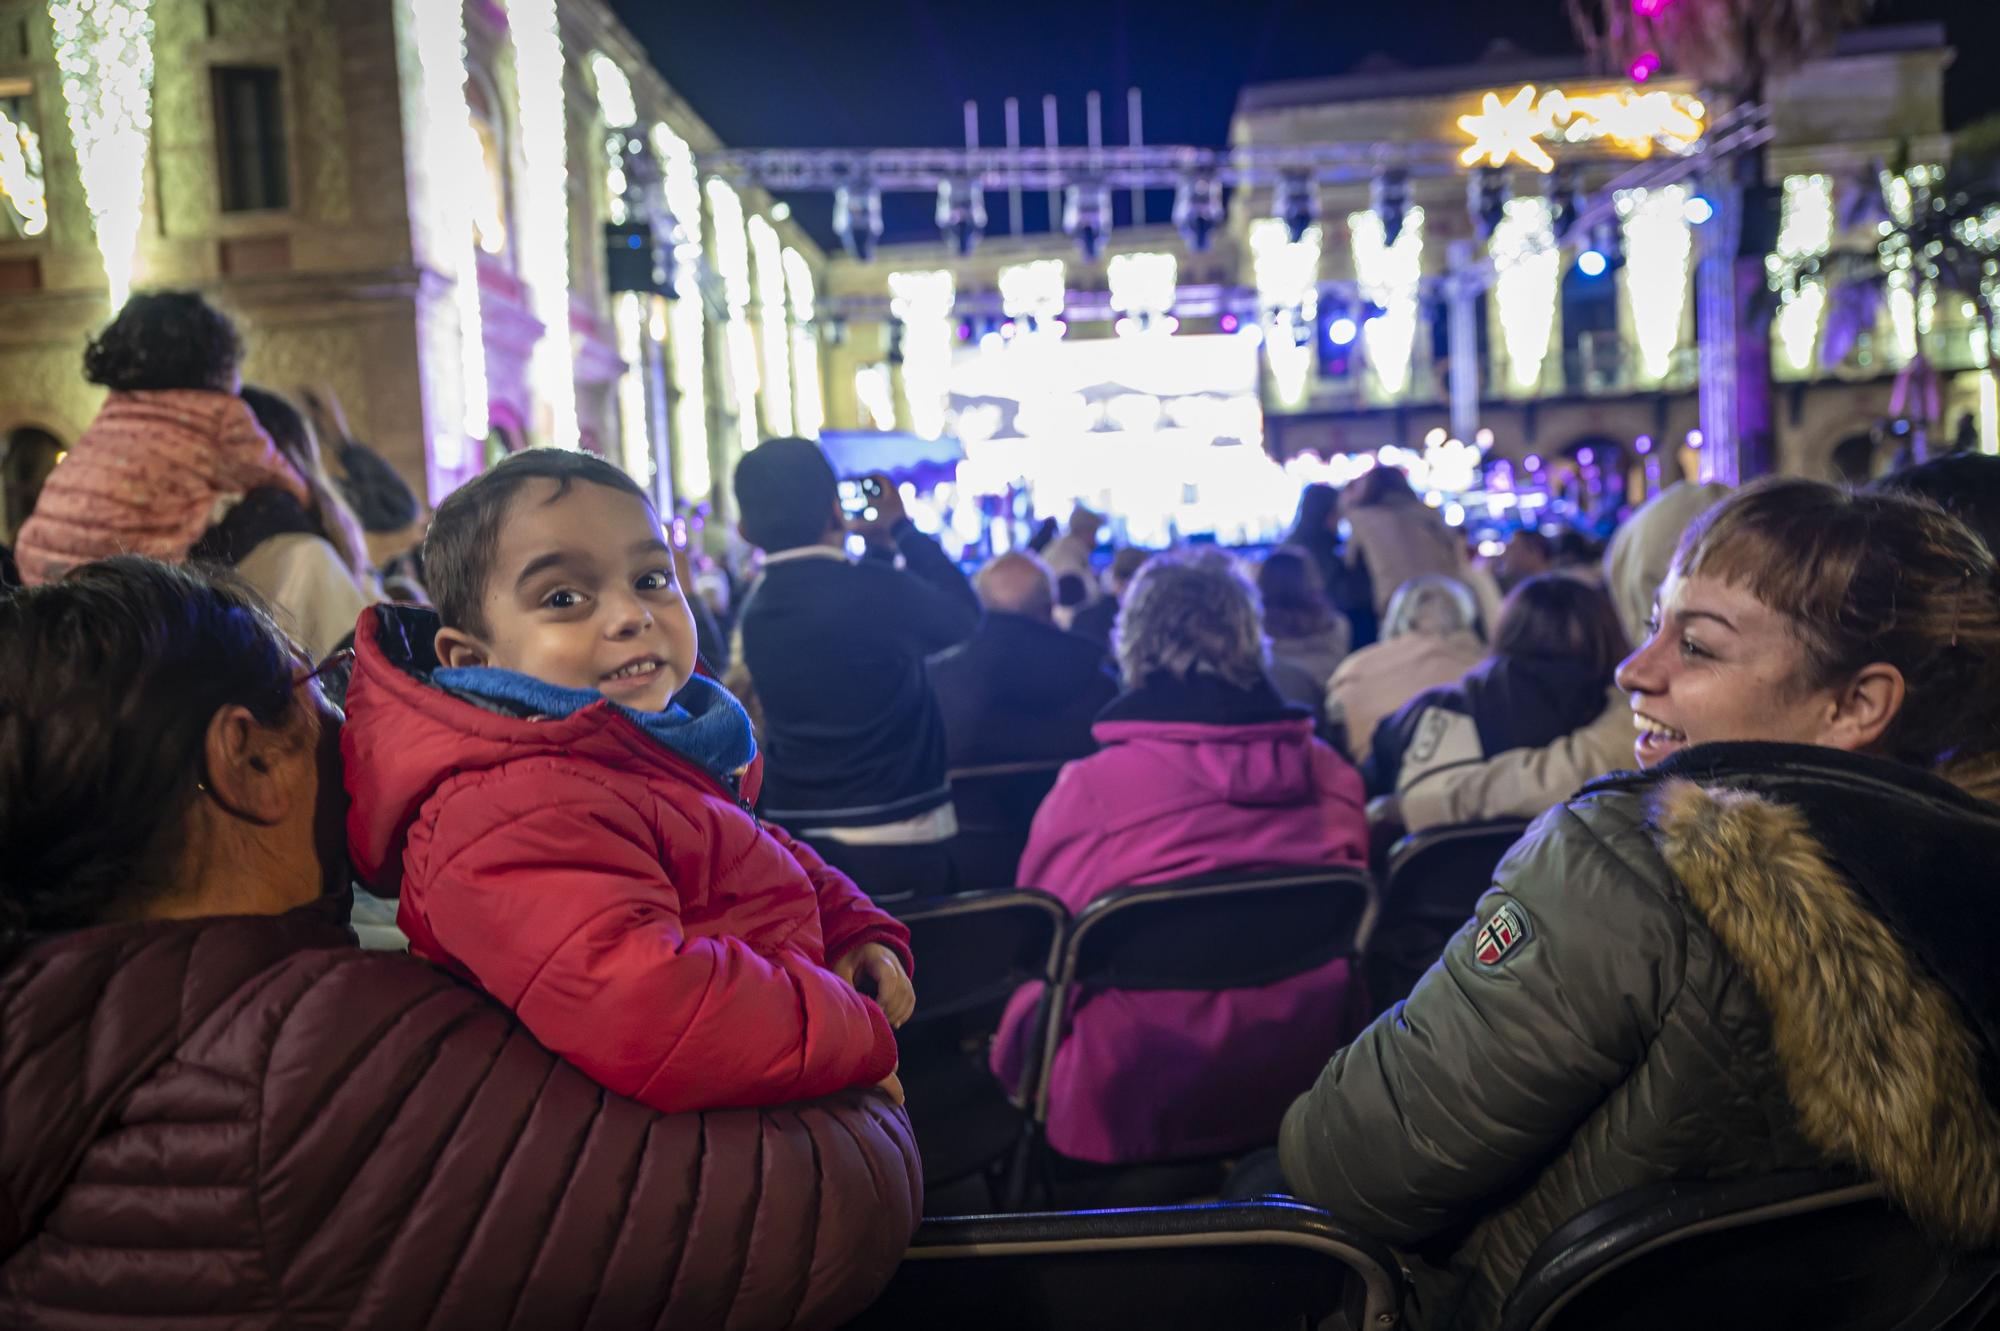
<point x="638" y="920"/>
<point x="248" y="1122"/>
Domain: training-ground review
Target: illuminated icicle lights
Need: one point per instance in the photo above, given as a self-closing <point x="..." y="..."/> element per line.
<point x="1143" y="287"/>
<point x="1391" y="277"/>
<point x="104" y="49"/>
<point x="452" y="170"/>
<point x="766" y="254"/>
<point x="1034" y="291"/>
<point x="1529" y="274"/>
<point x="628" y="315"/>
<point x="684" y="318"/>
<point x="1287" y="277"/>
<point x="1805" y="233"/>
<point x="1659" y="248"/>
<point x="21" y="178"/>
<point x="621" y="113"/>
<point x="732" y="262"/>
<point x="808" y="404"/>
<point x="922" y="302"/>
<point x="544" y="207"/>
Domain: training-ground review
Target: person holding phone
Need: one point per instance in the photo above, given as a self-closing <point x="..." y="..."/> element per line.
<point x="854" y="745"/>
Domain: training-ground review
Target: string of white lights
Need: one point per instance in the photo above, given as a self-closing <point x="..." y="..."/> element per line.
<point x="1528" y="275"/>
<point x="681" y="322"/>
<point x="1805" y="234"/>
<point x="22" y="183"/>
<point x="766" y="255"/>
<point x="922" y="302"/>
<point x="808" y="405"/>
<point x="1287" y="277"/>
<point x="544" y="208"/>
<point x="732" y="262"/>
<point x="1659" y="247"/>
<point x="104" y="49"/>
<point x="1390" y="277"/>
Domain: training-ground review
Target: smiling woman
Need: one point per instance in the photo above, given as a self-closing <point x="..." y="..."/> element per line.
<point x="1701" y="962"/>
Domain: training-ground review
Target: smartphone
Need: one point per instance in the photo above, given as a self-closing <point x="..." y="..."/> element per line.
<point x="857" y="498"/>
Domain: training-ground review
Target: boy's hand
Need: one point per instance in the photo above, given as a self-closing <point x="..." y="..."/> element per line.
<point x="891" y="1086"/>
<point x="894" y="993"/>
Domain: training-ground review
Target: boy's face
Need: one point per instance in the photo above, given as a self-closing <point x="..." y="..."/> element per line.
<point x="582" y="594"/>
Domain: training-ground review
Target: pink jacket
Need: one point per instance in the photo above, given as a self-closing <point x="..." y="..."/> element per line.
<point x="145" y="479"/>
<point x="1149" y="1076"/>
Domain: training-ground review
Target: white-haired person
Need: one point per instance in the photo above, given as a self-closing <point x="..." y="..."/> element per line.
<point x="1429" y="639"/>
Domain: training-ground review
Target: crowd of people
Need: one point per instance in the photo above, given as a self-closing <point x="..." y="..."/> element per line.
<point x="645" y="823"/>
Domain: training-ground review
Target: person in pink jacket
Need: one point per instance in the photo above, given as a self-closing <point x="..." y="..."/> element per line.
<point x="170" y="451"/>
<point x="1202" y="768"/>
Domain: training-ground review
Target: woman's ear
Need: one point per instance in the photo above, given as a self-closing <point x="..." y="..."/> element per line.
<point x="247" y="766"/>
<point x="456" y="648"/>
<point x="1865" y="706"/>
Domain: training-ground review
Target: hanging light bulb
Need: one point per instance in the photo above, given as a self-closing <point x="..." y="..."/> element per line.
<point x="1198" y="211"/>
<point x="1087" y="217"/>
<point x="1389" y="198"/>
<point x="857" y="219"/>
<point x="961" y="214"/>
<point x="1296" y="204"/>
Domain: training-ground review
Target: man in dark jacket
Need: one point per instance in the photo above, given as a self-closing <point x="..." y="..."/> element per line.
<point x="854" y="747"/>
<point x="1020" y="690"/>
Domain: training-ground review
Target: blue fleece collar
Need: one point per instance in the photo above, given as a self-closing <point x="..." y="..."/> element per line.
<point x="702" y="723"/>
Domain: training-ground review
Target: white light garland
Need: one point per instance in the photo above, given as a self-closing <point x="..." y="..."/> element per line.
<point x="1143" y="288"/>
<point x="104" y="49"/>
<point x="1659" y="249"/>
<point x="1287" y="277"/>
<point x="628" y="315"/>
<point x="1528" y="269"/>
<point x="620" y="110"/>
<point x="1390" y="276"/>
<point x="808" y="404"/>
<point x="1805" y="234"/>
<point x="922" y="302"/>
<point x="544" y="207"/>
<point x="732" y="262"/>
<point x="684" y="318"/>
<point x="1034" y="291"/>
<point x="766" y="252"/>
<point x="452" y="170"/>
<point x="21" y="177"/>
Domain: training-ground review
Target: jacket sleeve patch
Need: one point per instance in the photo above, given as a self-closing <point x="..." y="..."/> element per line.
<point x="1502" y="935"/>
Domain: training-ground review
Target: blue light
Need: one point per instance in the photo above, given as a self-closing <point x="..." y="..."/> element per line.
<point x="1699" y="211"/>
<point x="1342" y="332"/>
<point x="1591" y="263"/>
<point x="635" y="242"/>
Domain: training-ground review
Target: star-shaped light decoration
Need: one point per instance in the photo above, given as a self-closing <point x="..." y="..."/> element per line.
<point x="1637" y="122"/>
<point x="1506" y="131"/>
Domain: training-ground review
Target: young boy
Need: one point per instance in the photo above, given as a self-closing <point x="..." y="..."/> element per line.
<point x="564" y="805"/>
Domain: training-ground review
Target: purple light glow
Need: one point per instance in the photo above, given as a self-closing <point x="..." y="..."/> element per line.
<point x="1647" y="65"/>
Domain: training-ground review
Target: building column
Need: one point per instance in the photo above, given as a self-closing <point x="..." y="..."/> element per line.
<point x="1462" y="330"/>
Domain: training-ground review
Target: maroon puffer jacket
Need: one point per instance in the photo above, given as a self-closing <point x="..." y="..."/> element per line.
<point x="249" y="1122"/>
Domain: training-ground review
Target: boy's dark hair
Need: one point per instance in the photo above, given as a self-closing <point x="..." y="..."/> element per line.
<point x="785" y="494"/>
<point x="162" y="340"/>
<point x="459" y="548"/>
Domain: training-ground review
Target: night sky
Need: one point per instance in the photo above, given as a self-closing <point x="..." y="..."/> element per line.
<point x="800" y="73"/>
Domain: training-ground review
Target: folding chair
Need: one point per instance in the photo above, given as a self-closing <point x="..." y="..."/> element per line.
<point x="1431" y="883"/>
<point x="996" y="806"/>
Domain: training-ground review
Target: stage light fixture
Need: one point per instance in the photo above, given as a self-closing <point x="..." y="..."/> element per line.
<point x="961" y="214"/>
<point x="1389" y="198"/>
<point x="1296" y="204"/>
<point x="1087" y="217"/>
<point x="1487" y="193"/>
<point x="1592" y="264"/>
<point x="1198" y="211"/>
<point x="1342" y="331"/>
<point x="857" y="219"/>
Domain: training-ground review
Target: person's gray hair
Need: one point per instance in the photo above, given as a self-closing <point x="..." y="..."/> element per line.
<point x="1430" y="604"/>
<point x="1191" y="613"/>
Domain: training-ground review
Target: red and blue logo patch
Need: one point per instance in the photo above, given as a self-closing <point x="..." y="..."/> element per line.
<point x="1501" y="936"/>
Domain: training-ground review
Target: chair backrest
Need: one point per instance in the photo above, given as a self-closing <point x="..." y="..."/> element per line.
<point x="978" y="948"/>
<point x="996" y="807"/>
<point x="1250" y="1266"/>
<point x="1785" y="1250"/>
<point x="1437" y="875"/>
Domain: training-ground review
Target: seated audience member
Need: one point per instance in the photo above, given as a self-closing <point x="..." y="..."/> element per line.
<point x="172" y="444"/>
<point x="1071" y="552"/>
<point x="562" y="803"/>
<point x="1768" y="951"/>
<point x="1308" y="636"/>
<point x="1529" y="554"/>
<point x="1020" y="690"/>
<point x="835" y="650"/>
<point x="1397" y="537"/>
<point x="1095" y="620"/>
<point x="1427" y="640"/>
<point x="1965" y="485"/>
<point x="309" y="564"/>
<point x="1554" y="651"/>
<point x="1203" y="768"/>
<point x="1523" y="783"/>
<point x="220" y="1110"/>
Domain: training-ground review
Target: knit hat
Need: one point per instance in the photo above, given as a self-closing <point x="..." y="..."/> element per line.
<point x="785" y="493"/>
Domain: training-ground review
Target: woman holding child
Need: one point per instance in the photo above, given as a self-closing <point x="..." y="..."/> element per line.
<point x="219" y="1110"/>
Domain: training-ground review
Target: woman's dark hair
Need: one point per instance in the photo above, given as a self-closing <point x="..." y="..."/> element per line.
<point x="465" y="535"/>
<point x="1317" y="503"/>
<point x="165" y="339"/>
<point x="108" y="682"/>
<point x="1295" y="604"/>
<point x="380" y="498"/>
<point x="295" y="439"/>
<point x="1554" y="618"/>
<point x="1380" y="485"/>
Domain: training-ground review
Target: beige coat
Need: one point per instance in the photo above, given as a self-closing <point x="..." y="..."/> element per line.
<point x="1402" y="541"/>
<point x="1375" y="681"/>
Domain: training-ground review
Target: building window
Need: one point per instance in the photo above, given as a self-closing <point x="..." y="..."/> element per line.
<point x="250" y="124"/>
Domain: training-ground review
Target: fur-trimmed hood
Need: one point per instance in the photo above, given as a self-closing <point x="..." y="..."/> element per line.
<point x="1860" y="899"/>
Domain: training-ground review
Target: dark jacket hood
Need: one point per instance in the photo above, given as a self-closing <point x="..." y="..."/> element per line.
<point x="85" y="1017"/>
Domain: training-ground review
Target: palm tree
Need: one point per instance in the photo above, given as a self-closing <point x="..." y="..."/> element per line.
<point x="1734" y="48"/>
